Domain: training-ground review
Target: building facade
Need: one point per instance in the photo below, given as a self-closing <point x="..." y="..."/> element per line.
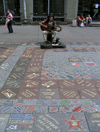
<point x="36" y="10"/>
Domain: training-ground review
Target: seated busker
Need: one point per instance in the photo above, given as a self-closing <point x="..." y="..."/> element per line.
<point x="88" y="20"/>
<point x="81" y="20"/>
<point x="48" y="28"/>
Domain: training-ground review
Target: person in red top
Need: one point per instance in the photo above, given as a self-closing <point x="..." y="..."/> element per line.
<point x="81" y="19"/>
<point x="50" y="21"/>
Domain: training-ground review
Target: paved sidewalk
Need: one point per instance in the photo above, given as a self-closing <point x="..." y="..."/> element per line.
<point x="53" y="90"/>
<point x="34" y="34"/>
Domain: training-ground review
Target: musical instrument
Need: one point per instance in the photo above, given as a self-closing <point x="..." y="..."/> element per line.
<point x="51" y="27"/>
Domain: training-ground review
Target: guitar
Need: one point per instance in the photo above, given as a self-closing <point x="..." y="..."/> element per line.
<point x="51" y="27"/>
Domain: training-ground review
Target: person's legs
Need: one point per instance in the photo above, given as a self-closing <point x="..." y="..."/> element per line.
<point x="86" y="22"/>
<point x="90" y="22"/>
<point x="54" y="33"/>
<point x="45" y="35"/>
<point x="11" y="26"/>
<point x="78" y="23"/>
<point x="8" y="25"/>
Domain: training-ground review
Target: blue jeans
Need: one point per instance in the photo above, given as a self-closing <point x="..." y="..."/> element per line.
<point x="9" y="25"/>
<point x="88" y="21"/>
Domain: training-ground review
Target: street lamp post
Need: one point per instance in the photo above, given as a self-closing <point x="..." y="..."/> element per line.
<point x="4" y="8"/>
<point x="25" y="14"/>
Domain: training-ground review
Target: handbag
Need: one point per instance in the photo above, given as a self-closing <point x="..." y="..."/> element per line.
<point x="82" y="24"/>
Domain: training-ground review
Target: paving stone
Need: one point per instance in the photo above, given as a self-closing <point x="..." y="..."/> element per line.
<point x="27" y="84"/>
<point x="53" y="109"/>
<point x="65" y="102"/>
<point x="20" y="122"/>
<point x="97" y="108"/>
<point x="10" y="62"/>
<point x="78" y="71"/>
<point x="47" y="122"/>
<point x="22" y="62"/>
<point x="49" y="84"/>
<point x="42" y="102"/>
<point x="18" y="109"/>
<point x="34" y="64"/>
<point x="19" y="69"/>
<point x="7" y="102"/>
<point x="88" y="62"/>
<point x="76" y="108"/>
<point x="85" y="84"/>
<point x="1" y="102"/>
<point x="66" y="75"/>
<point x="93" y="120"/>
<point x="90" y="50"/>
<point x="74" y="122"/>
<point x="86" y="102"/>
<point x="12" y="109"/>
<point x="19" y="102"/>
<point x="3" y="121"/>
<point x="25" y="102"/>
<point x="69" y="93"/>
<point x="9" y="93"/>
<point x="27" y="55"/>
<point x="89" y="108"/>
<point x="74" y="59"/>
<point x="89" y="93"/>
<point x="65" y="109"/>
<point x="75" y="102"/>
<point x="49" y="76"/>
<point x="28" y="94"/>
<point x="96" y="101"/>
<point x="31" y="102"/>
<point x="67" y="84"/>
<point x="41" y="109"/>
<point x="48" y="94"/>
<point x="38" y="56"/>
<point x="6" y="109"/>
<point x="31" y="76"/>
<point x="36" y="60"/>
<point x="34" y="69"/>
<point x="60" y="50"/>
<point x="53" y="102"/>
<point x="13" y="84"/>
<point x="30" y="109"/>
<point x="70" y="50"/>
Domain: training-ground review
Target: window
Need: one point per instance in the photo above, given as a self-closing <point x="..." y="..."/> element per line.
<point x="57" y="7"/>
<point x="1" y="8"/>
<point x="43" y="7"/>
<point x="40" y="7"/>
<point x="14" y="6"/>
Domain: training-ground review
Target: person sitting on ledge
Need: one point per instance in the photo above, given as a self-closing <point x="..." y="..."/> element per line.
<point x="81" y="19"/>
<point x="88" y="20"/>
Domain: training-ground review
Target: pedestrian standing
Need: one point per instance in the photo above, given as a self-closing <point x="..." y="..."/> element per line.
<point x="9" y="24"/>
